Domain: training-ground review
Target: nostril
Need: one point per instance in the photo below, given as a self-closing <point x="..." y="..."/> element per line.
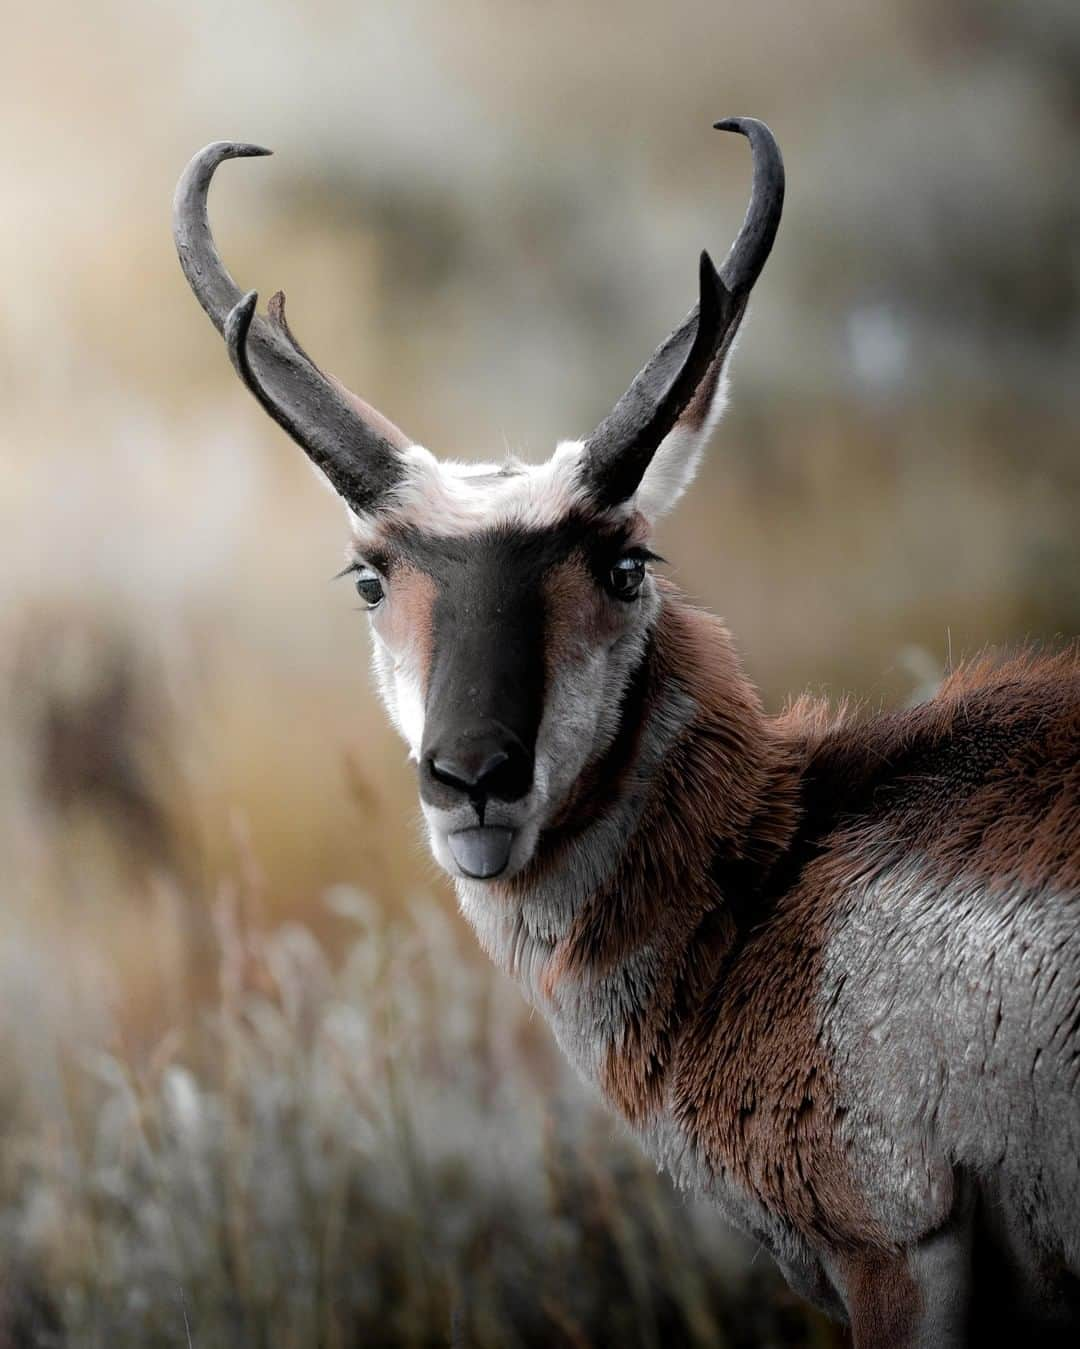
<point x="511" y="779"/>
<point x="469" y="773"/>
<point x="481" y="768"/>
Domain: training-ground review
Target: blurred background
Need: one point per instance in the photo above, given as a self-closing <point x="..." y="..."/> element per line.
<point x="256" y="1085"/>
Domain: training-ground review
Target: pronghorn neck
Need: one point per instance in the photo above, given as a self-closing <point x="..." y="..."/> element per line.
<point x="636" y="895"/>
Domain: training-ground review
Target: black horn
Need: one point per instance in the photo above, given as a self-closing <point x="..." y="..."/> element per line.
<point x="620" y="449"/>
<point x="357" y="449"/>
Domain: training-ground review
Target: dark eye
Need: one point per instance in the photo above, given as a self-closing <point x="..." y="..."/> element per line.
<point x="369" y="587"/>
<point x="626" y="576"/>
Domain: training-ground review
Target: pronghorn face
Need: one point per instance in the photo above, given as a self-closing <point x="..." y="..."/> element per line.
<point x="508" y="615"/>
<point x="510" y="606"/>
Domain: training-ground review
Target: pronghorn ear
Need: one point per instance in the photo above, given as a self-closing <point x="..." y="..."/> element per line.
<point x="675" y="463"/>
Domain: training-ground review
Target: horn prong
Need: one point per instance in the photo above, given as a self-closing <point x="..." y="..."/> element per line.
<point x="621" y="448"/>
<point x="275" y="309"/>
<point x="354" y="450"/>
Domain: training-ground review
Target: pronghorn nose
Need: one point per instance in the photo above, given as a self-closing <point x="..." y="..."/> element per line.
<point x="481" y="767"/>
<point x="469" y="776"/>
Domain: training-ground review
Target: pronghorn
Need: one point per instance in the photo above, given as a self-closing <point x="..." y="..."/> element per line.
<point x="828" y="971"/>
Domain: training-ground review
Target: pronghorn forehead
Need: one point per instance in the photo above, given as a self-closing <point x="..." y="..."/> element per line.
<point x="447" y="499"/>
<point x="501" y="558"/>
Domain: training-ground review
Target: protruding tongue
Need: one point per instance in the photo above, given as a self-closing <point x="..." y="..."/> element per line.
<point x="482" y="852"/>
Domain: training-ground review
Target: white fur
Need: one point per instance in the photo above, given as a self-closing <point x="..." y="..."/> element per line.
<point x="675" y="463"/>
<point x="402" y="693"/>
<point x="446" y="497"/>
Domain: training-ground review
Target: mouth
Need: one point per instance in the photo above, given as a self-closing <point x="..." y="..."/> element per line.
<point x="483" y="851"/>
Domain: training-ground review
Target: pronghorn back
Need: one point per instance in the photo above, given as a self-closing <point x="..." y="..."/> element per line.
<point x="826" y="967"/>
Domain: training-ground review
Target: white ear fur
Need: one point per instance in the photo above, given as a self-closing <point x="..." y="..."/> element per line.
<point x="676" y="461"/>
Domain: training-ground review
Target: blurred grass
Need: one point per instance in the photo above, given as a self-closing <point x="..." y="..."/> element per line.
<point x="218" y="1096"/>
<point x="375" y="1147"/>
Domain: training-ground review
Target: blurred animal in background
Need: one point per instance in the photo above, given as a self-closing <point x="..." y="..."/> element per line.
<point x="828" y="968"/>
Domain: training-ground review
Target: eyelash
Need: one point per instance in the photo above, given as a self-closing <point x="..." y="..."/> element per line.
<point x="608" y="559"/>
<point x="356" y="568"/>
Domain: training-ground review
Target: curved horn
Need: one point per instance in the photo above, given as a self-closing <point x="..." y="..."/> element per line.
<point x="360" y="456"/>
<point x="621" y="448"/>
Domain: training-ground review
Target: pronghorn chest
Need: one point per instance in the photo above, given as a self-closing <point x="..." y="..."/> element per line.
<point x="595" y="1022"/>
<point x="589" y="1009"/>
<point x="617" y="1026"/>
<point x="617" y="1022"/>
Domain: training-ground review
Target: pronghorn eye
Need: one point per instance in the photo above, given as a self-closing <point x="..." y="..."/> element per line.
<point x="626" y="576"/>
<point x="369" y="587"/>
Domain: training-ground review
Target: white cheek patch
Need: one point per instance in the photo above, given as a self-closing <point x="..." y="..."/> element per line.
<point x="410" y="720"/>
<point x="400" y="689"/>
<point x="568" y="728"/>
<point x="583" y="708"/>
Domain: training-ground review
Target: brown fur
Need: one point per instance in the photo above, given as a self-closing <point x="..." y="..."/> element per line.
<point x="407" y="624"/>
<point x="727" y="884"/>
<point x="696" y="412"/>
<point x="577" y="617"/>
<point x="663" y="893"/>
<point x="883" y="1297"/>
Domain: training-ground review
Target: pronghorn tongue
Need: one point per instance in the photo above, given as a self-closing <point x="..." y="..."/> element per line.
<point x="482" y="852"/>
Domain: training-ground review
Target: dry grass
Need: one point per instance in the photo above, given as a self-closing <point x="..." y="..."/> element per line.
<point x="373" y="1148"/>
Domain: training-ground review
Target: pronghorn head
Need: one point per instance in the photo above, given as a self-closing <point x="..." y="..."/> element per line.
<point x="510" y="604"/>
